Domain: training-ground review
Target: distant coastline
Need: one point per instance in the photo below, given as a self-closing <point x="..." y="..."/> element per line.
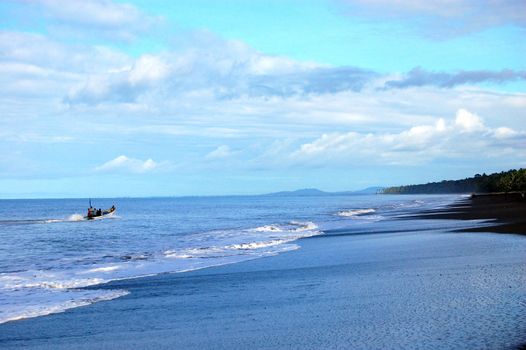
<point x="503" y="212"/>
<point x="498" y="198"/>
<point x="505" y="182"/>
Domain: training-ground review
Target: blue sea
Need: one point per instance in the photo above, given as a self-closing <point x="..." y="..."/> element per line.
<point x="48" y="251"/>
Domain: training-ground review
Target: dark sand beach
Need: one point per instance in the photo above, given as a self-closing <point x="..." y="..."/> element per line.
<point x="504" y="212"/>
<point x="426" y="288"/>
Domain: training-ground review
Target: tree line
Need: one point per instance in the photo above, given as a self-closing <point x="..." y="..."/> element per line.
<point x="506" y="181"/>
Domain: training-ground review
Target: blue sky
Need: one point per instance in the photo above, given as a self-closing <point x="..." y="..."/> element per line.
<point x="148" y="98"/>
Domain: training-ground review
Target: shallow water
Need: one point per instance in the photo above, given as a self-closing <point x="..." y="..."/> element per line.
<point x="47" y="250"/>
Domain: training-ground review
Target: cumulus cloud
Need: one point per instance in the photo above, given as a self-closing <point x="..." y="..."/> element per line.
<point x="123" y="163"/>
<point x="35" y="66"/>
<point x="421" y="77"/>
<point x="465" y="136"/>
<point x="122" y="85"/>
<point x="442" y="18"/>
<point x="223" y="69"/>
<point x="216" y="88"/>
<point x="108" y="18"/>
<point x="239" y="81"/>
<point x="42" y="51"/>
<point x="101" y="12"/>
<point x="220" y="152"/>
<point x="223" y="91"/>
<point x="208" y="68"/>
<point x="468" y="122"/>
<point x="214" y="84"/>
<point x="505" y="133"/>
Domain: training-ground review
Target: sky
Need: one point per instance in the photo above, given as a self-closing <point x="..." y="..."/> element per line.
<point x="103" y="98"/>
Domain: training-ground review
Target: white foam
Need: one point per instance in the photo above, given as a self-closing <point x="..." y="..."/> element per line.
<point x="304" y="226"/>
<point x="267" y="228"/>
<point x="33" y="293"/>
<point x="50" y="303"/>
<point x="49" y="221"/>
<point x="256" y="245"/>
<point x="296" y="226"/>
<point x="46" y="282"/>
<point x="176" y="255"/>
<point x="355" y="212"/>
<point x="105" y="216"/>
<point x="75" y="217"/>
<point x="104" y="269"/>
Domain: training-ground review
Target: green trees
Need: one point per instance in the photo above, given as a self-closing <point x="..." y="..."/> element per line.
<point x="506" y="181"/>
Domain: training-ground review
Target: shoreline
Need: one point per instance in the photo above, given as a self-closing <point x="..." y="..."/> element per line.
<point x="414" y="283"/>
<point x="504" y="212"/>
<point x="424" y="289"/>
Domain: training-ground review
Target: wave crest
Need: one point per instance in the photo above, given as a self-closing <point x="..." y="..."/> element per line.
<point x="355" y="212"/>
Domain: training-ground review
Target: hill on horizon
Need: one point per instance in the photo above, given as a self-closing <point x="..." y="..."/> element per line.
<point x="317" y="192"/>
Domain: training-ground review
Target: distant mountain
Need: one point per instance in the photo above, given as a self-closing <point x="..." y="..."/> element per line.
<point x="310" y="192"/>
<point x="302" y="192"/>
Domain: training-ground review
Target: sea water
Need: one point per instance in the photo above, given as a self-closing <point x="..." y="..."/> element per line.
<point x="48" y="251"/>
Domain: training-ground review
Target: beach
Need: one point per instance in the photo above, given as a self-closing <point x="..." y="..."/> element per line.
<point x="360" y="287"/>
<point x="255" y="174"/>
<point x="504" y="212"/>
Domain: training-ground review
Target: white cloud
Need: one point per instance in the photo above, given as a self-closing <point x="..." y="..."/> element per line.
<point x="123" y="163"/>
<point x="220" y="152"/>
<point x="468" y="122"/>
<point x="225" y="84"/>
<point x="505" y="133"/>
<point x="148" y="68"/>
<point x="34" y="66"/>
<point x="101" y="12"/>
<point x="213" y="89"/>
<point x="103" y="17"/>
<point x="442" y="18"/>
<point x="466" y="137"/>
<point x="122" y="85"/>
<point x="216" y="68"/>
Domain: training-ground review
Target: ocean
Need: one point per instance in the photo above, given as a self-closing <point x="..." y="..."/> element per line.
<point x="48" y="251"/>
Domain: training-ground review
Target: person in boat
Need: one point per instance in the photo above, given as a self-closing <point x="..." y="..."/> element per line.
<point x="91" y="212"/>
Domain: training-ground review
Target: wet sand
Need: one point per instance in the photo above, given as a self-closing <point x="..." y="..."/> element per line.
<point x="505" y="213"/>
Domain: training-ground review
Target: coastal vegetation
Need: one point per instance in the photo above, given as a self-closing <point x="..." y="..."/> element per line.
<point x="506" y="181"/>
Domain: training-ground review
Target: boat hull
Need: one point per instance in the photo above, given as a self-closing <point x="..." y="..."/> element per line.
<point x="105" y="213"/>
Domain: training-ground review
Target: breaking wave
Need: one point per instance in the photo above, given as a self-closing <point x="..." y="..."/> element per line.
<point x="32" y="293"/>
<point x="355" y="212"/>
<point x="263" y="240"/>
<point x="296" y="226"/>
<point x="52" y="302"/>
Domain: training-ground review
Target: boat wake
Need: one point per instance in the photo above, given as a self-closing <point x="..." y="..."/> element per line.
<point x="72" y="218"/>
